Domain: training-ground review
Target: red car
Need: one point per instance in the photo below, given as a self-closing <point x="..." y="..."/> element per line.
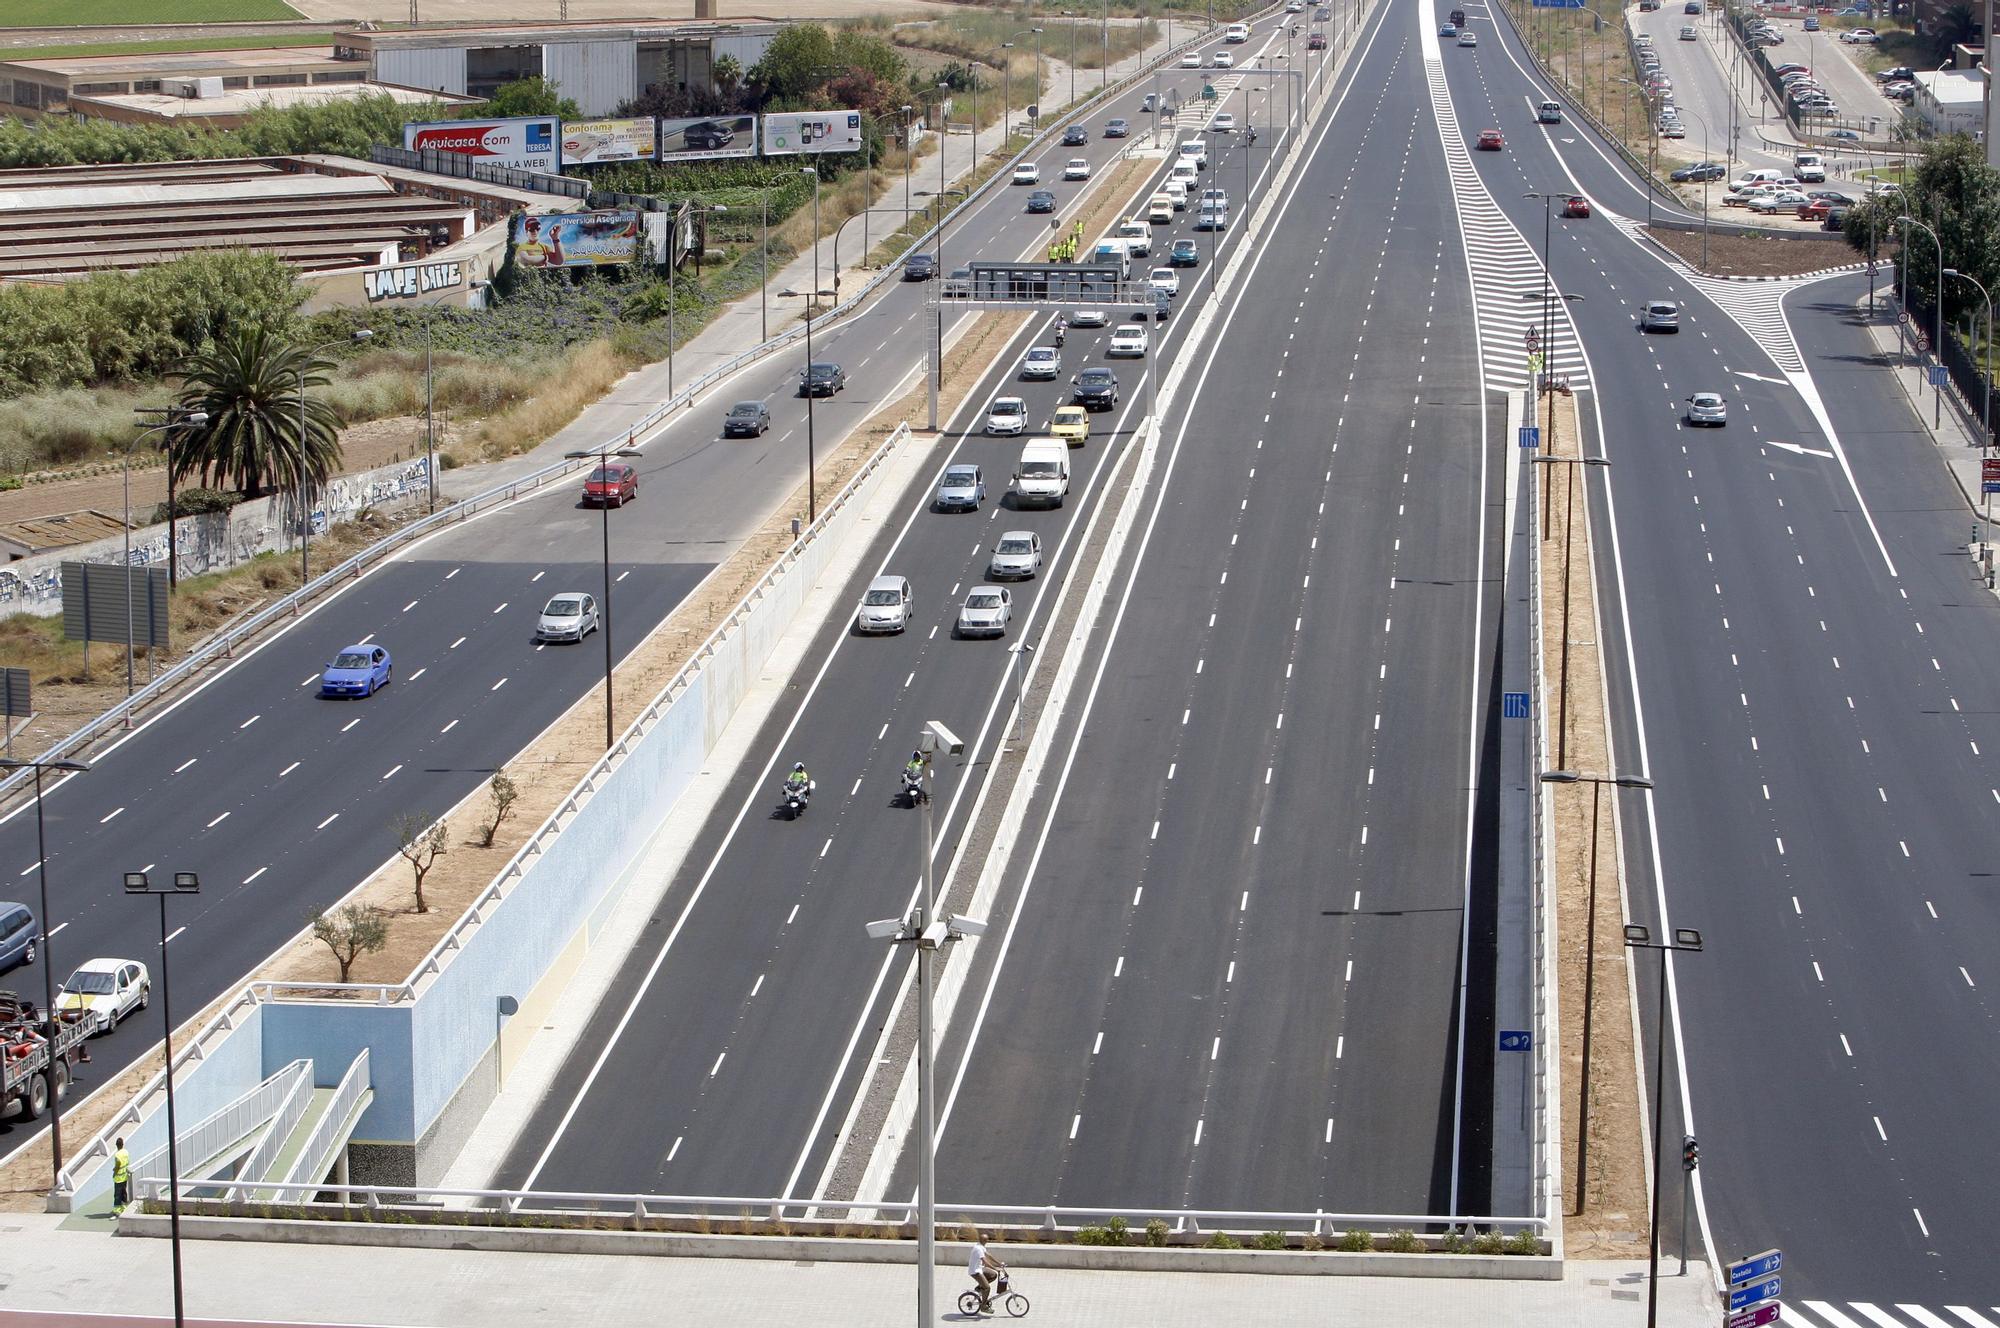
<point x="1576" y="205"/>
<point x="1816" y="210"/>
<point x="1316" y="42"/>
<point x="613" y="485"/>
<point x="1490" y="140"/>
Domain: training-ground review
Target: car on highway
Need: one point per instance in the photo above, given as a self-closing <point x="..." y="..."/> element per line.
<point x="1016" y="557"/>
<point x="1192" y="60"/>
<point x="1164" y="279"/>
<point x="1095" y="389"/>
<point x="1295" y="6"/>
<point x="1845" y="135"/>
<point x="1041" y="362"/>
<point x="570" y="616"/>
<point x="1222" y="60"/>
<point x="1707" y="409"/>
<point x="1128" y="339"/>
<point x="1223" y="123"/>
<point x="1549" y="112"/>
<point x="1041" y="201"/>
<point x="1150" y="102"/>
<point x="746" y="419"/>
<point x="1159" y="212"/>
<point x="1006" y="416"/>
<point x="1490" y="140"/>
<point x="822" y="379"/>
<point x="1316" y="42"/>
<point x="613" y="484"/>
<point x="1576" y="205"/>
<point x="18" y="934"/>
<point x="1071" y="424"/>
<point x="1691" y="7"/>
<point x="1212" y="217"/>
<point x="1659" y="316"/>
<point x="1185" y="253"/>
<point x="985" y="611"/>
<point x="1688" y="33"/>
<point x="104" y="991"/>
<point x="1447" y="29"/>
<point x="1812" y="23"/>
<point x="920" y="267"/>
<point x="1468" y="38"/>
<point x="1860" y="37"/>
<point x="1699" y="173"/>
<point x="1027" y="173"/>
<point x="358" y="670"/>
<point x="885" y="605"/>
<point x="1075" y="136"/>
<point x="962" y="488"/>
<point x="1116" y="128"/>
<point x="1088" y="318"/>
<point x="1076" y="168"/>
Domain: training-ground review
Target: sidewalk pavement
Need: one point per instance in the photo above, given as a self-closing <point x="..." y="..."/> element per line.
<point x="48" y="1271"/>
<point x="1954" y="428"/>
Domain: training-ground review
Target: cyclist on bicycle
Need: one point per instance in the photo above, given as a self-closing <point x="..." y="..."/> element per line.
<point x="986" y="1271"/>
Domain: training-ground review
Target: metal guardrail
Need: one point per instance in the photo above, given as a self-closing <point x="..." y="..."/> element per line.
<point x="1048" y="1217"/>
<point x="330" y="1131"/>
<point x="230" y="1125"/>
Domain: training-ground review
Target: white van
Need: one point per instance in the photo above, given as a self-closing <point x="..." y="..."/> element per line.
<point x="1042" y="477"/>
<point x="1809" y="167"/>
<point x="1176" y="192"/>
<point x="1236" y="33"/>
<point x="1114" y="251"/>
<point x="1196" y="151"/>
<point x="1749" y="178"/>
<point x="1138" y="237"/>
<point x="1549" y="112"/>
<point x="1184" y="174"/>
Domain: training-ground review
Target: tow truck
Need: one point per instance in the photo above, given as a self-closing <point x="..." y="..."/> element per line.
<point x="34" y="1071"/>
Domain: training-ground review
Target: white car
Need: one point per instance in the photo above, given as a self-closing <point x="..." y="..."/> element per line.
<point x="1088" y="318"/>
<point x="986" y="611"/>
<point x="1007" y="415"/>
<point x="1223" y="60"/>
<point x="885" y="605"/>
<point x="1018" y="555"/>
<point x="1027" y="173"/>
<point x="570" y="616"/>
<point x="1164" y="279"/>
<point x="1689" y="34"/>
<point x="1674" y="130"/>
<point x="1860" y="37"/>
<point x="1192" y="60"/>
<point x="1707" y="408"/>
<point x="1041" y="362"/>
<point x="1129" y="339"/>
<point x="1224" y="123"/>
<point x="1076" y="169"/>
<point x="1467" y="37"/>
<point x="1778" y="200"/>
<point x="106" y="990"/>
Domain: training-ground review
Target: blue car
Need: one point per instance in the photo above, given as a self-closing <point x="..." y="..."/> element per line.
<point x="356" y="671"/>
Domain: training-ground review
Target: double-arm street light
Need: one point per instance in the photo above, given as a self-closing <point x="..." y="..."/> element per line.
<point x="1937" y="324"/>
<point x="430" y="393"/>
<point x="1686" y="940"/>
<point x="38" y="764"/>
<point x="806" y="386"/>
<point x="304" y="477"/>
<point x="185" y="883"/>
<point x="1071" y="15"/>
<point x="603" y="456"/>
<point x="1597" y="783"/>
<point x="177" y="418"/>
<point x="1007" y="80"/>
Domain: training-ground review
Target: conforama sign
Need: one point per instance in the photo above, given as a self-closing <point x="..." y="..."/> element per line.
<point x="532" y="143"/>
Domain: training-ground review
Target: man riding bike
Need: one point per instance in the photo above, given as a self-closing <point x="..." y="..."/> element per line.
<point x="798" y="779"/>
<point x="986" y="1271"/>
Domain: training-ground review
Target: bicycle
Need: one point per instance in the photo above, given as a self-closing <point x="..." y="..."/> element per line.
<point x="1004" y="1298"/>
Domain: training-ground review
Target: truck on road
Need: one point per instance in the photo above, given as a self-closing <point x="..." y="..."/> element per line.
<point x="33" y="1071"/>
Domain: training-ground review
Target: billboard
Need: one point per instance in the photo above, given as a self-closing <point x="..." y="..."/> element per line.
<point x="529" y="143"/>
<point x="812" y="131"/>
<point x="588" y="142"/>
<point x="576" y="239"/>
<point x="711" y="136"/>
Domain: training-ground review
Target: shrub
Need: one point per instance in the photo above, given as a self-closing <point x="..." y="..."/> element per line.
<point x="1358" y="1241"/>
<point x="199" y="502"/>
<point x="448" y="461"/>
<point x="1222" y="1240"/>
<point x="1156" y="1232"/>
<point x="1270" y="1240"/>
<point x="1404" y="1241"/>
<point x="1093" y="1236"/>
<point x="1313" y="1241"/>
<point x="1524" y="1241"/>
<point x="1452" y="1243"/>
<point x="1489" y="1242"/>
<point x="1119" y="1230"/>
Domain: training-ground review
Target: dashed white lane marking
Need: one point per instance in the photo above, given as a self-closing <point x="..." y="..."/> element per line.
<point x="328" y="821"/>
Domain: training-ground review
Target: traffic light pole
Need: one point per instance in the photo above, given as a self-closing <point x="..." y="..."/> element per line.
<point x="1690" y="1159"/>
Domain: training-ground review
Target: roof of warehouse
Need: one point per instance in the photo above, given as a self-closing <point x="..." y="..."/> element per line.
<point x="172" y="64"/>
<point x="312" y="256"/>
<point x="533" y="34"/>
<point x="1954" y="87"/>
<point x="241" y="101"/>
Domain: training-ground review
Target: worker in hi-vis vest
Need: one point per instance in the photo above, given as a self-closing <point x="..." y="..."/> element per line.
<point x="121" y="1178"/>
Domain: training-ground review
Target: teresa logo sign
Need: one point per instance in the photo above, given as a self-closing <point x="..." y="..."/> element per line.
<point x="403" y="283"/>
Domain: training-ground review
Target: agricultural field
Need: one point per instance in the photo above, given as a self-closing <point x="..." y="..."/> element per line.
<point x="132" y="13"/>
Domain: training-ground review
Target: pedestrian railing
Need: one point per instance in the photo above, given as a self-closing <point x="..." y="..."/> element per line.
<point x="224" y="1129"/>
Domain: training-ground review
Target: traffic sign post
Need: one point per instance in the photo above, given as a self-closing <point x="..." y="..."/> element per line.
<point x="1755" y="1317"/>
<point x="1760" y="1292"/>
<point x="1937" y="375"/>
<point x="1513" y="705"/>
<point x="1513" y="1039"/>
<point x="1749" y="1269"/>
<point x="1530" y="437"/>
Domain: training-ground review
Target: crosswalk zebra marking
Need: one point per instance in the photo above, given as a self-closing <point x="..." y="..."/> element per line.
<point x="1866" y="1314"/>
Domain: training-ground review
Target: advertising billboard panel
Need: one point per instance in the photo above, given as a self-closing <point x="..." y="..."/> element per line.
<point x="710" y="136"/>
<point x="812" y="131"/>
<point x="576" y="239"/>
<point x="529" y="143"/>
<point x="588" y="142"/>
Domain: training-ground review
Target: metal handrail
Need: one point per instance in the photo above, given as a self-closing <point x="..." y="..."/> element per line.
<point x="330" y="1131"/>
<point x="290" y="1112"/>
<point x="230" y="1124"/>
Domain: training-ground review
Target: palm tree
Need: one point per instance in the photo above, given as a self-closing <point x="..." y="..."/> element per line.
<point x="1955" y="26"/>
<point x="249" y="383"/>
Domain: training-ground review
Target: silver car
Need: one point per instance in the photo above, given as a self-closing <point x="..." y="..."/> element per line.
<point x="570" y="616"/>
<point x="1707" y="408"/>
<point x="1017" y="556"/>
<point x="1007" y="415"/>
<point x="1041" y="362"/>
<point x="885" y="605"/>
<point x="986" y="611"/>
<point x="962" y="489"/>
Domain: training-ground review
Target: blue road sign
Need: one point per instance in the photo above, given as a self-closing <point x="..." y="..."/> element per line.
<point x="1756" y="1293"/>
<point x="1990" y="486"/>
<point x="1513" y="705"/>
<point x="1516" y="1039"/>
<point x="1531" y="436"/>
<point x="1755" y="1266"/>
<point x="1559" y="4"/>
<point x="1937" y="375"/>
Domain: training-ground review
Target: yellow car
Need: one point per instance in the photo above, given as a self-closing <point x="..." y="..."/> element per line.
<point x="1071" y="424"/>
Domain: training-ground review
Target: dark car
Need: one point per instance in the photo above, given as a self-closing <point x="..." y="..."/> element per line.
<point x="1116" y="129"/>
<point x="1897" y="74"/>
<point x="822" y="379"/>
<point x="1699" y="173"/>
<point x="1836" y="219"/>
<point x="18" y="934"/>
<point x="1096" y="389"/>
<point x="749" y="418"/>
<point x="920" y="267"/>
<point x="1316" y="42"/>
<point x="708" y="136"/>
<point x="1041" y="201"/>
<point x="1075" y="136"/>
<point x="1185" y="253"/>
<point x="613" y="485"/>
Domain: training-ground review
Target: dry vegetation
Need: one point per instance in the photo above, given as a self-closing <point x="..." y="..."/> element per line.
<point x="1756" y="255"/>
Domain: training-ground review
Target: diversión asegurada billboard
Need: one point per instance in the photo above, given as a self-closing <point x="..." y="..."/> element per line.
<point x="588" y="142"/>
<point x="529" y="143"/>
<point x="576" y="239"/>
<point x="792" y="132"/>
<point x="710" y="136"/>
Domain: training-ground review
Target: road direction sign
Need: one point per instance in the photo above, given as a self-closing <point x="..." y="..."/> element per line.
<point x="1513" y="705"/>
<point x="1754" y="1266"/>
<point x="1754" y="1317"/>
<point x="1756" y="1293"/>
<point x="1989" y="468"/>
<point x="1530" y="436"/>
<point x="1937" y="375"/>
<point x="1516" y="1039"/>
<point x="1990" y="486"/>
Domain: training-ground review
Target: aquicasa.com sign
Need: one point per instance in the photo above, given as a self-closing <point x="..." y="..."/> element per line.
<point x="532" y="143"/>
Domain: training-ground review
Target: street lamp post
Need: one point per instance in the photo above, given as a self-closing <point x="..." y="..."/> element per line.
<point x="1597" y="783"/>
<point x="176" y="419"/>
<point x="48" y="955"/>
<point x="1071" y="16"/>
<point x="431" y="397"/>
<point x="185" y="883"/>
<point x="936" y="374"/>
<point x="1686" y="941"/>
<point x="805" y="386"/>
<point x="603" y="457"/>
<point x="1937" y="323"/>
<point x="1569" y="507"/>
<point x="304" y="476"/>
<point x="927" y="933"/>
<point x="1985" y="417"/>
<point x="859" y="216"/>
